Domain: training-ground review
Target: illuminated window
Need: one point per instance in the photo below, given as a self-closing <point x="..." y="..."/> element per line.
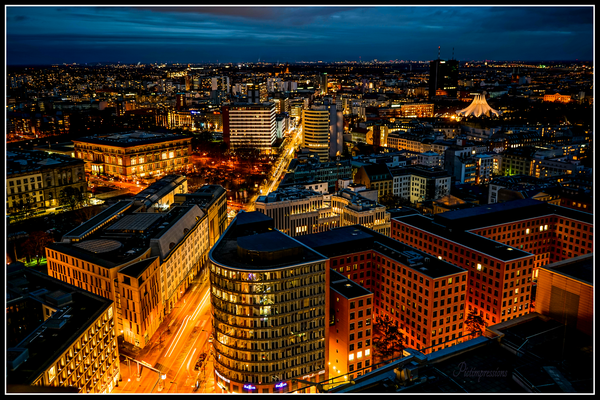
<point x="517" y="291"/>
<point x="527" y="231"/>
<point x="541" y="228"/>
<point x="449" y="280"/>
<point x="351" y="357"/>
<point x="359" y="354"/>
<point x="51" y="374"/>
<point x="478" y="267"/>
<point x="367" y="352"/>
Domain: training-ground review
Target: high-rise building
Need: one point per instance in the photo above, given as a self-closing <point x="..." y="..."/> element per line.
<point x="443" y="77"/>
<point x="270" y="302"/>
<point x="323" y="128"/>
<point x="257" y="92"/>
<point x="323" y="82"/>
<point x="250" y="126"/>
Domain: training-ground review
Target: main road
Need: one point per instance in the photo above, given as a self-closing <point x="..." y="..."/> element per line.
<point x="175" y="351"/>
<point x="280" y="166"/>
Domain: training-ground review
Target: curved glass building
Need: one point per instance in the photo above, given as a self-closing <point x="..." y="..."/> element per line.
<point x="270" y="297"/>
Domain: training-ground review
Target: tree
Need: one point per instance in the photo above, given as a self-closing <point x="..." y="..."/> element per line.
<point x="391" y="201"/>
<point x="389" y="339"/>
<point x="72" y="197"/>
<point x="35" y="245"/>
<point x="474" y="322"/>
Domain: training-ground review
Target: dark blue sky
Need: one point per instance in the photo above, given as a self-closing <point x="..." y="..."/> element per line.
<point x="45" y="35"/>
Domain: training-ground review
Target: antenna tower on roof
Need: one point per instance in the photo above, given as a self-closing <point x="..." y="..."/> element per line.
<point x="439" y="52"/>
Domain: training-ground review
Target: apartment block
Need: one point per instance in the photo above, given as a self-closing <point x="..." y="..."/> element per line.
<point x="404" y="283"/>
<point x="58" y="335"/>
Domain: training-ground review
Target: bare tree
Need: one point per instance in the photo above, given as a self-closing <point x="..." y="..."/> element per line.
<point x="35" y="245"/>
<point x="474" y="322"/>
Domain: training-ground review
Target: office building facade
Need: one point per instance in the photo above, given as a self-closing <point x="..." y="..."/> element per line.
<point x="443" y="77"/>
<point x="270" y="297"/>
<point x="36" y="179"/>
<point x="250" y="126"/>
<point x="502" y="247"/>
<point x="135" y="155"/>
<point x="58" y="335"/>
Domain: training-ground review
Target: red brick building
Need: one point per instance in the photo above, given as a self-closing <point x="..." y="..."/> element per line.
<point x="351" y="327"/>
<point x="424" y="295"/>
<point x="502" y="246"/>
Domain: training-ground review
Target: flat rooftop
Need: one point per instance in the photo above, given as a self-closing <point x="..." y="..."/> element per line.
<point x="502" y="213"/>
<point x="346" y="287"/>
<point x="136" y="269"/>
<point x="467" y="239"/>
<point x="553" y="360"/>
<point x="287" y="194"/>
<point x="356" y="238"/>
<point x="100" y="218"/>
<point x="45" y="341"/>
<point x="20" y="161"/>
<point x="131" y="138"/>
<point x="580" y="268"/>
<point x="253" y="233"/>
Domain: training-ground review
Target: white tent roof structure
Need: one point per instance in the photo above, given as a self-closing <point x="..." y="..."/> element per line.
<point x="478" y="107"/>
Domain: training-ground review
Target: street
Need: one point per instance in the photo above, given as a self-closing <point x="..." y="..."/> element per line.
<point x="174" y="350"/>
<point x="280" y="167"/>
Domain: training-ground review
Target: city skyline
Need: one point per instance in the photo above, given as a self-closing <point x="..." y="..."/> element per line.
<point x="292" y="34"/>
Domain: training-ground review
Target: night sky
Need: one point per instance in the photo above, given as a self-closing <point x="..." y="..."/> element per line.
<point x="56" y="35"/>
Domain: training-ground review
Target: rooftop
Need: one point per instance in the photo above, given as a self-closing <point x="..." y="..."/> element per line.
<point x="357" y="238"/>
<point x="45" y="340"/>
<point x="104" y="216"/>
<point x="136" y="269"/>
<point x="251" y="243"/>
<point x="287" y="194"/>
<point x="502" y="213"/>
<point x="345" y="286"/>
<point x="20" y="161"/>
<point x="579" y="268"/>
<point x="131" y="138"/>
<point x="551" y="359"/>
<point x="159" y="189"/>
<point x="467" y="239"/>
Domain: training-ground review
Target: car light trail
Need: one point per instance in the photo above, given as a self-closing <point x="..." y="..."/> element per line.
<point x="177" y="337"/>
<point x="190" y="360"/>
<point x="200" y="306"/>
